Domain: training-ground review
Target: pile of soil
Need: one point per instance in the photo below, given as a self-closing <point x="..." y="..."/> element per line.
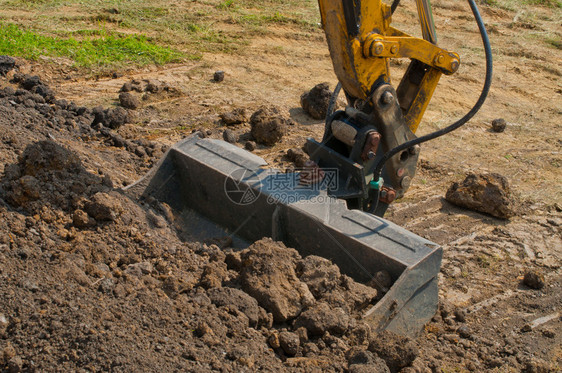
<point x="94" y="280"/>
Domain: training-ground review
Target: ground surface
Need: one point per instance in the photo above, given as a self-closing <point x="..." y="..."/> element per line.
<point x="96" y="281"/>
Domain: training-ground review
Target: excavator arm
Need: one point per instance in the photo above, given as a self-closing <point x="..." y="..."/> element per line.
<point x="361" y="42"/>
<point x="378" y="118"/>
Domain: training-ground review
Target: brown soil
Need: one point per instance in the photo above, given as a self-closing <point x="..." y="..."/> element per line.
<point x="93" y="281"/>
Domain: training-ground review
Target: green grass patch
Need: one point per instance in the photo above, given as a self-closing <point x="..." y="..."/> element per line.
<point x="54" y="27"/>
<point x="89" y="49"/>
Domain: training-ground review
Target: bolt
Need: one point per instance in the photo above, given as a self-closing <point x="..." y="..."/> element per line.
<point x="379" y="47"/>
<point x="394" y="49"/>
<point x="371" y="155"/>
<point x="387" y="98"/>
<point x="405" y="183"/>
<point x="438" y="59"/>
<point x="414" y="150"/>
<point x="454" y="65"/>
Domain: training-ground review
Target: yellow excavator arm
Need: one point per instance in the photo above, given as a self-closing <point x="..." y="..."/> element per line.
<point x="361" y="42"/>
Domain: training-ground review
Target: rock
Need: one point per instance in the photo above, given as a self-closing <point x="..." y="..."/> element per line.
<point x="322" y="318"/>
<point x="398" y="352"/>
<point x="218" y="76"/>
<point x="268" y="274"/>
<point x="268" y="126"/>
<point x="238" y="300"/>
<point x="7" y="63"/>
<point x="104" y="207"/>
<point x="297" y="156"/>
<point x="289" y="342"/>
<point x="534" y="280"/>
<point x="250" y="145"/>
<point x="487" y="193"/>
<point x="498" y="125"/>
<point x="128" y="100"/>
<point x="317" y="101"/>
<point x="237" y="116"/>
<point x="229" y="136"/>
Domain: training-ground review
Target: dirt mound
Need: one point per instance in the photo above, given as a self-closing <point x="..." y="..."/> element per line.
<point x="49" y="175"/>
<point x="94" y="280"/>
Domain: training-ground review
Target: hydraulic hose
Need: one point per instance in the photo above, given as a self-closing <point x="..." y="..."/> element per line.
<point x="394" y="5"/>
<point x="487" y="83"/>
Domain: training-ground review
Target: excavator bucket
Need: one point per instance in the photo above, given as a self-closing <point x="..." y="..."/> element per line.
<point x="218" y="189"/>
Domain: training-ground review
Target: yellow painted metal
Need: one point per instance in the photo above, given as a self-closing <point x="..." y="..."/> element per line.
<point x="402" y="45"/>
<point x="361" y="61"/>
<point x="414" y="113"/>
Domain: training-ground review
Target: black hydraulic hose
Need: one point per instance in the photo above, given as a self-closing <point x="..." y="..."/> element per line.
<point x="394" y="5"/>
<point x="463" y="120"/>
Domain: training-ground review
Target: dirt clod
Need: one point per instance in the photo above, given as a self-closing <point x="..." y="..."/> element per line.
<point x="268" y="125"/>
<point x="289" y="342"/>
<point x="128" y="100"/>
<point x="297" y="156"/>
<point x="218" y="76"/>
<point x="534" y="280"/>
<point x="7" y="63"/>
<point x="229" y="136"/>
<point x="488" y="193"/>
<point x="498" y="125"/>
<point x="104" y="207"/>
<point x="322" y="318"/>
<point x="398" y="352"/>
<point x="112" y="118"/>
<point x="250" y="145"/>
<point x="234" y="117"/>
<point x="364" y="361"/>
<point x="268" y="274"/>
<point x="316" y="101"/>
<point x="238" y="300"/>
